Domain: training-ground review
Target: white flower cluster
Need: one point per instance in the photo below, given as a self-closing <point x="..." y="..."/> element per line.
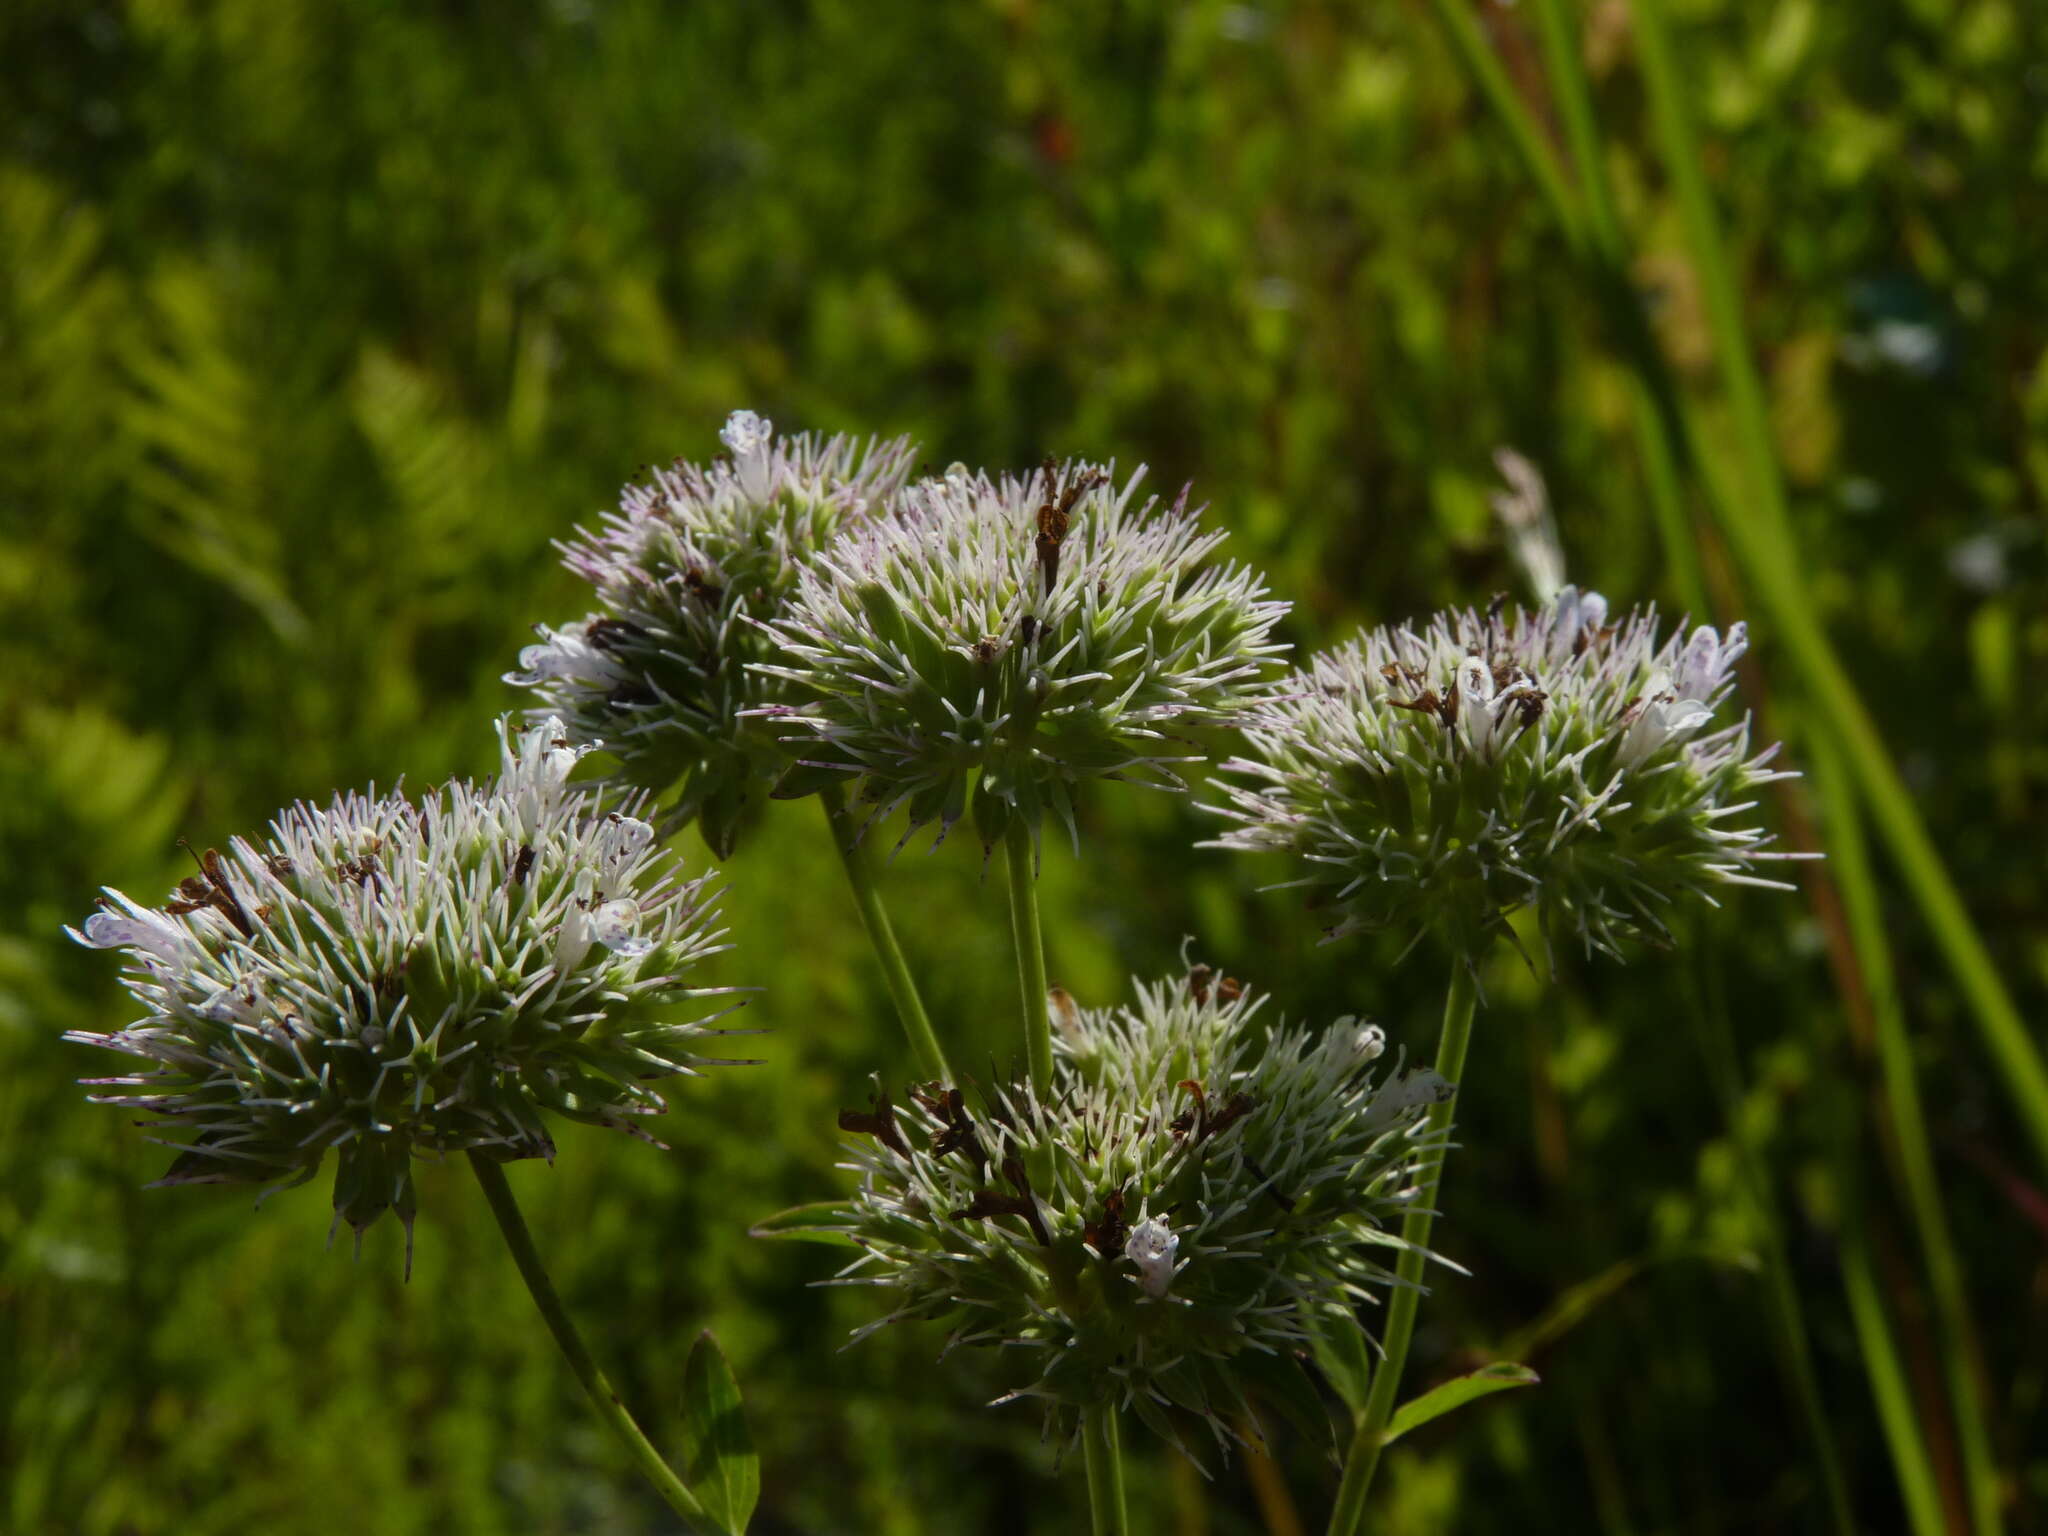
<point x="1165" y="1229"/>
<point x="1008" y="638"/>
<point x="661" y="673"/>
<point x="1438" y="779"/>
<point x="388" y="978"/>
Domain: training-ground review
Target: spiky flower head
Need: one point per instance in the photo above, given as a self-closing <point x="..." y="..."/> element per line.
<point x="660" y="673"/>
<point x="1162" y="1231"/>
<point x="1438" y="779"/>
<point x="391" y="979"/>
<point x="1013" y="637"/>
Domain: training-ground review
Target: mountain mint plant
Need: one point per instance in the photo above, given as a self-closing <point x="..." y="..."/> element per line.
<point x="684" y="573"/>
<point x="1003" y="640"/>
<point x="1437" y="779"/>
<point x="390" y="979"/>
<point x="1179" y="1204"/>
<point x="1165" y="1230"/>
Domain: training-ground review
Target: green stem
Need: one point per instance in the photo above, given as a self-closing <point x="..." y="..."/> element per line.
<point x="1760" y="528"/>
<point x="1656" y="410"/>
<point x="1364" y="1455"/>
<point x="1914" y="1154"/>
<point x="1794" y="1344"/>
<point x="917" y="1024"/>
<point x="1888" y="1384"/>
<point x="1030" y="952"/>
<point x="1530" y="145"/>
<point x="1105" y="1472"/>
<point x="499" y="1193"/>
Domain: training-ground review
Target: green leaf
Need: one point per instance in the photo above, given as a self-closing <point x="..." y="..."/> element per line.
<point x="807" y="778"/>
<point x="1455" y="1393"/>
<point x="817" y="1223"/>
<point x="1339" y="1347"/>
<point x="719" y="1463"/>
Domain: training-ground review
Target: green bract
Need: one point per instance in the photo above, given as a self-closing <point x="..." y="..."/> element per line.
<point x="389" y="979"/>
<point x="1012" y="637"/>
<point x="1438" y="780"/>
<point x="1167" y="1227"/>
<point x="660" y="677"/>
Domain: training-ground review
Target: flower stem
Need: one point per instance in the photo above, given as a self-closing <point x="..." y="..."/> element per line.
<point x="1364" y="1456"/>
<point x="1030" y="952"/>
<point x="1105" y="1471"/>
<point x="499" y="1193"/>
<point x="917" y="1024"/>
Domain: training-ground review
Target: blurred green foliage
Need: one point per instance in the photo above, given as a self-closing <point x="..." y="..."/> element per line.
<point x="318" y="320"/>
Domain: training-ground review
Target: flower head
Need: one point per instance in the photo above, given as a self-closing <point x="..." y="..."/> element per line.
<point x="660" y="673"/>
<point x="388" y="979"/>
<point x="1439" y="779"/>
<point x="1165" y="1228"/>
<point x="1016" y="636"/>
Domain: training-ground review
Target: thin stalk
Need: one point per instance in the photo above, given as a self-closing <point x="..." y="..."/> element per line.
<point x="1530" y="146"/>
<point x="1913" y="1151"/>
<point x="499" y="1193"/>
<point x="1030" y="942"/>
<point x="1654" y="403"/>
<point x="1105" y="1472"/>
<point x="1760" y="528"/>
<point x="1888" y="1384"/>
<point x="1794" y="1344"/>
<point x="917" y="1024"/>
<point x="1364" y="1456"/>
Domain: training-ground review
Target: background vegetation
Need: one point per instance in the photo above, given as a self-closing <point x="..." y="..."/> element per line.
<point x="318" y="320"/>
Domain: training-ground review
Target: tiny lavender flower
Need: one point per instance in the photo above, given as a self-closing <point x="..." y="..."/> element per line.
<point x="1166" y="1228"/>
<point x="1439" y="780"/>
<point x="390" y="979"/>
<point x="661" y="674"/>
<point x="1016" y="636"/>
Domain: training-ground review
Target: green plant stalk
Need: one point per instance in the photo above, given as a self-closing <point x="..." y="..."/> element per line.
<point x="1530" y="146"/>
<point x="1030" y="941"/>
<point x="1794" y="1343"/>
<point x="1654" y="403"/>
<point x="1760" y="529"/>
<point x="1364" y="1455"/>
<point x="1105" y="1472"/>
<point x="1888" y="1384"/>
<point x="874" y="917"/>
<point x="1914" y="1152"/>
<point x="499" y="1193"/>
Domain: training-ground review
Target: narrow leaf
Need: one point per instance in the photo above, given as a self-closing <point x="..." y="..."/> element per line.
<point x="719" y="1463"/>
<point x="818" y="1223"/>
<point x="1455" y="1393"/>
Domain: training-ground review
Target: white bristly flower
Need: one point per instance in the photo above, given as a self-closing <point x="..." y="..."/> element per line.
<point x="1013" y="637"/>
<point x="660" y="673"/>
<point x="387" y="979"/>
<point x="1167" y="1226"/>
<point x="1438" y="779"/>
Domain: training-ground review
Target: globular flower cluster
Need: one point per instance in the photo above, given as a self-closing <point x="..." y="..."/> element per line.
<point x="1164" y="1229"/>
<point x="389" y="979"/>
<point x="1007" y="638"/>
<point x="1439" y="779"/>
<point x="661" y="673"/>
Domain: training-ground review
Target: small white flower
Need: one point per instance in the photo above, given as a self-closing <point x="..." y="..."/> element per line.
<point x="1151" y="1246"/>
<point x="746" y="434"/>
